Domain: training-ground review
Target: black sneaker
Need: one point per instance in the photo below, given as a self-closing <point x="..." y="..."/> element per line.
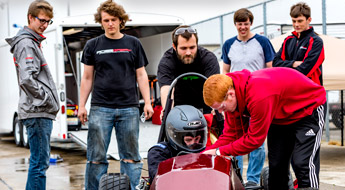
<point x="250" y="184"/>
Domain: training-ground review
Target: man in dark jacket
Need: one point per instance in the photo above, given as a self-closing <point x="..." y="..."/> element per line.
<point x="186" y="56"/>
<point x="38" y="102"/>
<point x="303" y="50"/>
<point x="289" y="112"/>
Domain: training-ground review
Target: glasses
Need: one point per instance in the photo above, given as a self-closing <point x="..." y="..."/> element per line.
<point x="42" y="21"/>
<point x="222" y="105"/>
<point x="183" y="30"/>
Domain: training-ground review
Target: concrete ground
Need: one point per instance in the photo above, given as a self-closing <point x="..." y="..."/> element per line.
<point x="332" y="167"/>
<point x="69" y="174"/>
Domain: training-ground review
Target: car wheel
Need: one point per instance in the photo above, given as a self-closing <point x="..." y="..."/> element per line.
<point x="336" y="120"/>
<point x="114" y="181"/>
<point x="17" y="132"/>
<point x="264" y="179"/>
<point x="24" y="136"/>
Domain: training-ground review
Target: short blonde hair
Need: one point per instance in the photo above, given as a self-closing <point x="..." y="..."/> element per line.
<point x="216" y="87"/>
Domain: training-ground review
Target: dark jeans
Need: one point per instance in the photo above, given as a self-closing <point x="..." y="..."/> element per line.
<point x="39" y="131"/>
<point x="101" y="123"/>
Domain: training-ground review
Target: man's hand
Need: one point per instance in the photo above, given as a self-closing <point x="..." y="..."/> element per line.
<point x="161" y="115"/>
<point x="211" y="151"/>
<point x="82" y="115"/>
<point x="296" y="64"/>
<point x="164" y="95"/>
<point x="148" y="110"/>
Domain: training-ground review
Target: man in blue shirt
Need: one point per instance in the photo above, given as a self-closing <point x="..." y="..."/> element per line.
<point x="253" y="52"/>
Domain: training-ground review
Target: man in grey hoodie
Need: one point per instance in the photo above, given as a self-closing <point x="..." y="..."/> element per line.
<point x="38" y="102"/>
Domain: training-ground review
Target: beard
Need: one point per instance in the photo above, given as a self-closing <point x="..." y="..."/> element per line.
<point x="186" y="59"/>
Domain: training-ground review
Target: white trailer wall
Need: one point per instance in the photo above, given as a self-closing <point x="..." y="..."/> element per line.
<point x="154" y="47"/>
<point x="53" y="51"/>
<point x="8" y="87"/>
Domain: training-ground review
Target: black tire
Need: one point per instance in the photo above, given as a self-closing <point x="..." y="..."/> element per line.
<point x="336" y="119"/>
<point x="264" y="179"/>
<point x="24" y="136"/>
<point x="114" y="181"/>
<point x="17" y="132"/>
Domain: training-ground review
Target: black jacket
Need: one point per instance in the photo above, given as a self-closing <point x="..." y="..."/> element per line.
<point x="187" y="91"/>
<point x="307" y="48"/>
<point x="156" y="155"/>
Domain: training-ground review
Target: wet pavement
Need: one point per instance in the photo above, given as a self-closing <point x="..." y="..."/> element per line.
<point x="69" y="174"/>
<point x="14" y="163"/>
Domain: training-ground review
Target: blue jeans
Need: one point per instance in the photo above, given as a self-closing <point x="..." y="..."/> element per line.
<point x="39" y="131"/>
<point x="255" y="164"/>
<point x="101" y="123"/>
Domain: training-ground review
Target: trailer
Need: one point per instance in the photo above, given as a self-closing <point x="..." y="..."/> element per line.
<point x="63" y="47"/>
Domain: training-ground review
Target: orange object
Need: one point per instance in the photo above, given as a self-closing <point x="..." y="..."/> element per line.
<point x="152" y="82"/>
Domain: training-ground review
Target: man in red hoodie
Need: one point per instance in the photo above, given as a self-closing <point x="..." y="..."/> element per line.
<point x="283" y="105"/>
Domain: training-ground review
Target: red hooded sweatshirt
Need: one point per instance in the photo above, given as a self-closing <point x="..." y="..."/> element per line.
<point x="269" y="96"/>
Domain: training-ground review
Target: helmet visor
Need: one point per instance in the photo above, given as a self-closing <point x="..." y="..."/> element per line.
<point x="190" y="140"/>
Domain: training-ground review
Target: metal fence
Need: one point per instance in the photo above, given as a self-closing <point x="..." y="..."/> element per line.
<point x="269" y="18"/>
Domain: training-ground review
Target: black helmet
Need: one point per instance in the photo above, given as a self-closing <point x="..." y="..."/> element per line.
<point x="186" y="129"/>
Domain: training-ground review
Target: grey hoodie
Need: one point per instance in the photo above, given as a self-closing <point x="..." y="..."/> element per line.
<point x="37" y="92"/>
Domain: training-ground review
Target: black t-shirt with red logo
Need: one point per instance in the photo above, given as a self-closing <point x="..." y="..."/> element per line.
<point x="115" y="62"/>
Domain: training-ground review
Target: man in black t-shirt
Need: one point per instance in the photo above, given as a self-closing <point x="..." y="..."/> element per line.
<point x="113" y="64"/>
<point x="186" y="56"/>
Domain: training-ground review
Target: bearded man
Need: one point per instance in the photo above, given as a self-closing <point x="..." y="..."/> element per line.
<point x="186" y="56"/>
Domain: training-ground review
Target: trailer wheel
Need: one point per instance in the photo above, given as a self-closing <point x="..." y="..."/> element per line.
<point x="17" y="131"/>
<point x="114" y="181"/>
<point x="24" y="135"/>
<point x="264" y="179"/>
